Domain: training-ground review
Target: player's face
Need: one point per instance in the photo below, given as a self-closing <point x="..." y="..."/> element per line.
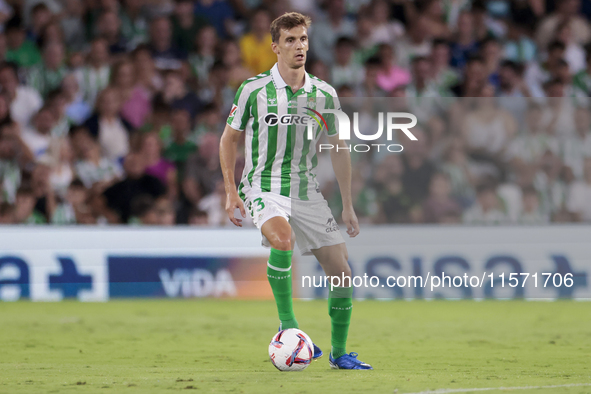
<point x="292" y="46"/>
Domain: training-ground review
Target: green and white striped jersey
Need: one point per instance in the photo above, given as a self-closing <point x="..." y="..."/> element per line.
<point x="279" y="156"/>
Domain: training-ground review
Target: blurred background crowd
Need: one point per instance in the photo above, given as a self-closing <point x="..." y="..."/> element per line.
<point x="111" y="110"/>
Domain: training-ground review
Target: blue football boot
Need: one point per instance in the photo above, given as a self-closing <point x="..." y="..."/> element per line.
<point x="347" y="361"/>
<point x="317" y="352"/>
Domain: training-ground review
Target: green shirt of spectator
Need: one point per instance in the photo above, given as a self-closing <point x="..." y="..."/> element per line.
<point x="180" y="152"/>
<point x="26" y="55"/>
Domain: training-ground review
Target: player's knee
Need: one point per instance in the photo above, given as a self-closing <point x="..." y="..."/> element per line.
<point x="282" y="242"/>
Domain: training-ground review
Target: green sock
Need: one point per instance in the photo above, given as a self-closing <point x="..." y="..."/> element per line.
<point x="279" y="275"/>
<point x="340" y="302"/>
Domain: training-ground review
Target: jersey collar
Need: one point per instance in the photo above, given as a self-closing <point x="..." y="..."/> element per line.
<point x="280" y="83"/>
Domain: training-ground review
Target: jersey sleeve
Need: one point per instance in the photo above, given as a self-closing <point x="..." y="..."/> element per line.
<point x="240" y="112"/>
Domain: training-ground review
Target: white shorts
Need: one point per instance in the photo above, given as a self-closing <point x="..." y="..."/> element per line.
<point x="311" y="221"/>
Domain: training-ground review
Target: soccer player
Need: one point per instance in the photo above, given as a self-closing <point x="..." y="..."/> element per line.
<point x="278" y="185"/>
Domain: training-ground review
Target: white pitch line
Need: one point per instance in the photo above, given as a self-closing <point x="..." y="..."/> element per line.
<point x="446" y="391"/>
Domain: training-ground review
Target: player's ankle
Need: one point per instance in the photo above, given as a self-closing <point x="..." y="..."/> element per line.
<point x="337" y="352"/>
<point x="291" y="323"/>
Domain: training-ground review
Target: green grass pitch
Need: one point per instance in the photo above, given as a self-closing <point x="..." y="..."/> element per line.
<point x="220" y="346"/>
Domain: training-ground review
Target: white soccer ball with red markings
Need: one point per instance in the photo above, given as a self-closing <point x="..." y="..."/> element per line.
<point x="291" y="350"/>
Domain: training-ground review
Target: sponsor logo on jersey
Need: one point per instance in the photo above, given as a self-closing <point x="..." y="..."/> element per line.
<point x="286" y="120"/>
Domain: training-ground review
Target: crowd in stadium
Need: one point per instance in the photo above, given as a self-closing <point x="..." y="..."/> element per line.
<point x="111" y="111"/>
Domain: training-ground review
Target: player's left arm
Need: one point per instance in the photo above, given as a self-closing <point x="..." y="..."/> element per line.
<point x="341" y="164"/>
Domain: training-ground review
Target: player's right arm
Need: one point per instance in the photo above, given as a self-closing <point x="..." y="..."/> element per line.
<point x="235" y="125"/>
<point x="228" y="148"/>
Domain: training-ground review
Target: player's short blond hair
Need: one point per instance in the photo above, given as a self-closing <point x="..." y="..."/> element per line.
<point x="288" y="21"/>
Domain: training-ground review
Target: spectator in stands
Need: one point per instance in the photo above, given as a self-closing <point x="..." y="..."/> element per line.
<point x="72" y="25"/>
<point x="566" y="10"/>
<point x="218" y="13"/>
<point x="418" y="170"/>
<point x="527" y="149"/>
<point x="464" y="44"/>
<point x="157" y="166"/>
<point x="460" y="171"/>
<point x="487" y="208"/>
<point x="136" y="100"/>
<point x="488" y="129"/>
<point x="73" y="207"/>
<point x="416" y="42"/>
<point x="440" y="207"/>
<point x="186" y="24"/>
<point x="394" y="202"/>
<point x="95" y="171"/>
<point x="38" y="136"/>
<point x="134" y="22"/>
<point x="94" y="76"/>
<point x="146" y="73"/>
<point x="574" y="53"/>
<point x="202" y="171"/>
<point x="232" y="60"/>
<point x="166" y="55"/>
<point x="204" y="56"/>
<point x="518" y="47"/>
<point x="44" y="195"/>
<point x="41" y="16"/>
<point x="443" y="75"/>
<point x="491" y="54"/>
<point x="325" y="32"/>
<point x="21" y="51"/>
<point x="433" y="13"/>
<point x="549" y="183"/>
<point x="143" y="211"/>
<point x="370" y="87"/>
<point x="579" y="194"/>
<point x="582" y="80"/>
<point x="218" y="91"/>
<point x="109" y="28"/>
<point x="391" y="75"/>
<point x="24" y="101"/>
<point x="49" y="74"/>
<point x="537" y="74"/>
<point x="24" y="211"/>
<point x="383" y="29"/>
<point x="118" y="198"/>
<point x="575" y="149"/>
<point x="181" y="148"/>
<point x="10" y="169"/>
<point x="345" y="71"/>
<point x="257" y="55"/>
<point x="60" y="162"/>
<point x="475" y="79"/>
<point x="77" y="110"/>
<point x="108" y="127"/>
<point x="532" y="214"/>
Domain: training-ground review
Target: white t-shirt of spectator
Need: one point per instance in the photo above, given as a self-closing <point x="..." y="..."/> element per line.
<point x="530" y="148"/>
<point x="476" y="216"/>
<point x="533" y="218"/>
<point x="26" y="104"/>
<point x="38" y="143"/>
<point x="579" y="200"/>
<point x="573" y="152"/>
<point x="488" y="136"/>
<point x="90" y="173"/>
<point x="113" y="139"/>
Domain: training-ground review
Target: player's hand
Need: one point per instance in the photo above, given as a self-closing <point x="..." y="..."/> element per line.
<point x="350" y="220"/>
<point x="233" y="202"/>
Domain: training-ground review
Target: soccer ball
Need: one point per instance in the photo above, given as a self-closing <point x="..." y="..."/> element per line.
<point x="291" y="350"/>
